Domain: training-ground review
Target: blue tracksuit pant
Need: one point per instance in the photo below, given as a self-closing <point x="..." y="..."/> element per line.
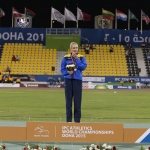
<point x="73" y="92"/>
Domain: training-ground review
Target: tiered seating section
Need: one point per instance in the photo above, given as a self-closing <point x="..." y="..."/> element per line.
<point x="33" y="59"/>
<point x="147" y="62"/>
<point x="132" y="64"/>
<point x="103" y="63"/>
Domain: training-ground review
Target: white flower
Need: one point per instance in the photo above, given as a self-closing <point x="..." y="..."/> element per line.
<point x="90" y="148"/>
<point x="28" y="146"/>
<point x="109" y="147"/>
<point x="104" y="145"/>
<point x="75" y="69"/>
<point x="72" y="65"/>
<point x="92" y="145"/>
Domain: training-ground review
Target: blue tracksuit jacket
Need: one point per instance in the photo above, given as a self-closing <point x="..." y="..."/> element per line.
<point x="80" y="63"/>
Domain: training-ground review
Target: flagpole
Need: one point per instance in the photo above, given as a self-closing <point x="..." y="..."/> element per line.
<point x="12" y="16"/>
<point x="65" y="17"/>
<point x="141" y="21"/>
<point x="102" y="18"/>
<point x="25" y="11"/>
<point x="128" y="19"/>
<point x="116" y="20"/>
<point x="51" y="17"/>
<point x="77" y="17"/>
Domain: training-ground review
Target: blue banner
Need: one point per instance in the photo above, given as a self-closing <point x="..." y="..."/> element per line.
<point x="92" y="36"/>
<point x="48" y="78"/>
<point x="126" y="79"/>
<point x="124" y="87"/>
<point x="96" y="36"/>
<point x="22" y="35"/>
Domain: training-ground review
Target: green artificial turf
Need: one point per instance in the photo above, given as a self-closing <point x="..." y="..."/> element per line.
<point x="97" y="105"/>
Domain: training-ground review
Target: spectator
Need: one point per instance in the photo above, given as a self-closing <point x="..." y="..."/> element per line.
<point x="148" y="56"/>
<point x="6" y="79"/>
<point x="111" y="49"/>
<point x="127" y="52"/>
<point x="8" y="69"/>
<point x="1" y="77"/>
<point x="13" y="58"/>
<point x="129" y="80"/>
<point x="17" y="58"/>
<point x="18" y="80"/>
<point x="122" y="82"/>
<point x="11" y="79"/>
<point x="87" y="49"/>
<point x="91" y="47"/>
<point x="130" y="52"/>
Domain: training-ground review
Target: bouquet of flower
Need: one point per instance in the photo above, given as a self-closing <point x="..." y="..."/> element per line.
<point x="71" y="67"/>
<point x="2" y="146"/>
<point x="99" y="147"/>
<point x="38" y="147"/>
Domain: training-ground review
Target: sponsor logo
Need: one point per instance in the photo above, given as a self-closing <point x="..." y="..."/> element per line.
<point x="122" y="87"/>
<point x="145" y="79"/>
<point x="54" y="86"/>
<point x="126" y="79"/>
<point x="129" y="87"/>
<point x="23" y="22"/>
<point x="32" y="85"/>
<point x="41" y="132"/>
<point x="103" y="23"/>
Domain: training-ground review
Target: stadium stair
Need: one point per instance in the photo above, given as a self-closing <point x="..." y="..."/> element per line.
<point x="140" y="61"/>
<point x="132" y="64"/>
<point x="33" y="59"/>
<point x="146" y="61"/>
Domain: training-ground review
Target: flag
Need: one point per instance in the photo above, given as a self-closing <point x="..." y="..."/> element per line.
<point x="145" y="17"/>
<point x="82" y="15"/>
<point x="69" y="15"/>
<point x="1" y="13"/>
<point x="132" y="16"/>
<point x="56" y="15"/>
<point x="16" y="13"/>
<point x="107" y="15"/>
<point x="29" y="12"/>
<point x="121" y="15"/>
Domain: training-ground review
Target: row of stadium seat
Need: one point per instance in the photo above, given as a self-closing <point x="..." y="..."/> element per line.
<point x="35" y="60"/>
<point x="103" y="63"/>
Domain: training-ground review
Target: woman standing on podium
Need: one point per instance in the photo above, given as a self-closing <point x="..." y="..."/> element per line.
<point x="71" y="67"/>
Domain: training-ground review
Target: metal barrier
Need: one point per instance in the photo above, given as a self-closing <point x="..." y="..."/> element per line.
<point x="63" y="31"/>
